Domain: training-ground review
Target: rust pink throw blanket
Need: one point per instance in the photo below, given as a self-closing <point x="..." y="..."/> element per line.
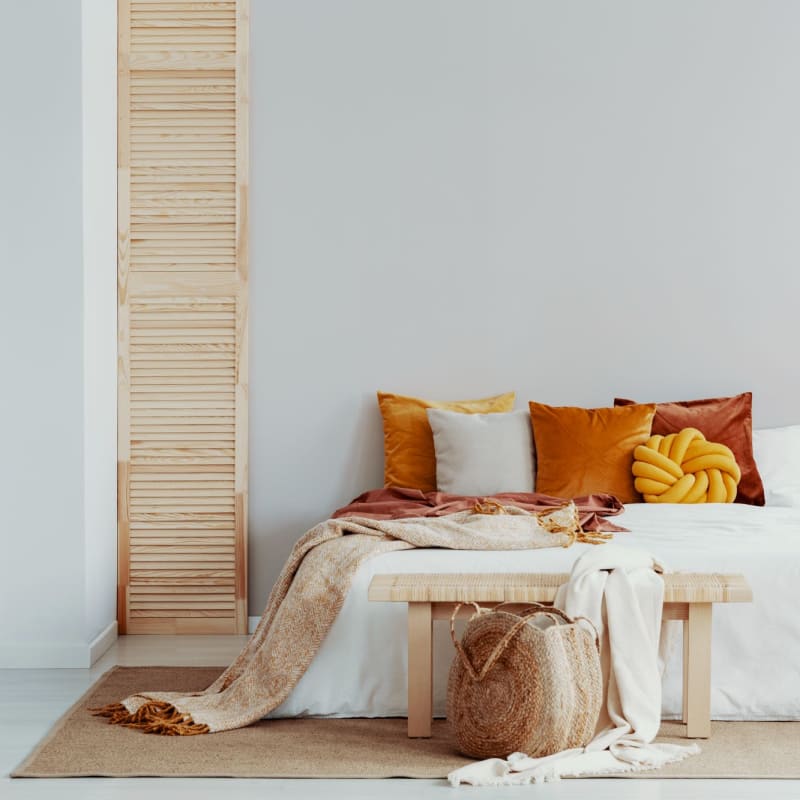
<point x="406" y="503"/>
<point x="315" y="580"/>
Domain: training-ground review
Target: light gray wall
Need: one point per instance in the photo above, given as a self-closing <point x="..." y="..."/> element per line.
<point x="457" y="198"/>
<point x="99" y="103"/>
<point x="42" y="569"/>
<point x="58" y="332"/>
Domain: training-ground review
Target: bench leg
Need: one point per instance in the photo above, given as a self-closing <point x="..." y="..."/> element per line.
<point x="685" y="710"/>
<point x="420" y="669"/>
<point x="697" y="671"/>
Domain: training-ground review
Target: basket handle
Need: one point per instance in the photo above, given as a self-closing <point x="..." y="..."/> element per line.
<point x="557" y="611"/>
<point x="459" y="649"/>
<point x="501" y="646"/>
<point x="594" y="628"/>
<point x="552" y="610"/>
<point x="535" y="608"/>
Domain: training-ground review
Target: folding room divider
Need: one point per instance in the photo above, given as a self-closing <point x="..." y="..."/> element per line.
<point x="182" y="306"/>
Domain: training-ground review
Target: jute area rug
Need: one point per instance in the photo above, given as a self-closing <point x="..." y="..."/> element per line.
<point x="81" y="745"/>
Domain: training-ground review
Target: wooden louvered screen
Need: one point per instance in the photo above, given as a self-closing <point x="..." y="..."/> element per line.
<point x="182" y="307"/>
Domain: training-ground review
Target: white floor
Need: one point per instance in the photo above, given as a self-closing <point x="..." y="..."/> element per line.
<point x="31" y="700"/>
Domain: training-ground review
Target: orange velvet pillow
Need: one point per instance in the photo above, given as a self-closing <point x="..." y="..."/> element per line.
<point x="409" y="455"/>
<point x="583" y="451"/>
<point x="727" y="420"/>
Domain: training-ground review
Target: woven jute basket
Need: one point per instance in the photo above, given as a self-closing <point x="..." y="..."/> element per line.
<point x="524" y="682"/>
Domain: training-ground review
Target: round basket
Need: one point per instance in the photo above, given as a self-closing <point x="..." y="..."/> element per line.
<point x="524" y="682"/>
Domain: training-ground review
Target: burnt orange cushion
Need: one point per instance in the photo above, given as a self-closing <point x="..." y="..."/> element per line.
<point x="409" y="456"/>
<point x="727" y="420"/>
<point x="583" y="451"/>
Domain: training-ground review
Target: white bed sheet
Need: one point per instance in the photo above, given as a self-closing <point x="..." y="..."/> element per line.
<point x="360" y="670"/>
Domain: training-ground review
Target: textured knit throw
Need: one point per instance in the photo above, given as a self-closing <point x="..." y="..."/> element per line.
<point x="306" y="600"/>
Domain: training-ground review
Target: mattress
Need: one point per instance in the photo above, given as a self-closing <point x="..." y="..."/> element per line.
<point x="360" y="670"/>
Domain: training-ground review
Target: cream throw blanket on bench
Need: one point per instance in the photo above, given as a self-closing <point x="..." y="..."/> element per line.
<point x="306" y="600"/>
<point x="621" y="591"/>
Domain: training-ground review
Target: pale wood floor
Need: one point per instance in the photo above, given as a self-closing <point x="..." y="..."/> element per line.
<point x="31" y="700"/>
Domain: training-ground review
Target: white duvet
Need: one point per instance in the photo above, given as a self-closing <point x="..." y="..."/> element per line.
<point x="360" y="670"/>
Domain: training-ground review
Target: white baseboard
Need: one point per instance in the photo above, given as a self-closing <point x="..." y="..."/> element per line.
<point x="44" y="656"/>
<point x="102" y="642"/>
<point x="57" y="655"/>
<point x="252" y="624"/>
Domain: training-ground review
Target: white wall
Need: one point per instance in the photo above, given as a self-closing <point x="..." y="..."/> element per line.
<point x="41" y="469"/>
<point x="57" y="563"/>
<point x="457" y="198"/>
<point x="99" y="103"/>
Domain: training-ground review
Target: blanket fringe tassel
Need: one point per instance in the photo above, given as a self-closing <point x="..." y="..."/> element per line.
<point x="593" y="537"/>
<point x="154" y="716"/>
<point x="574" y="532"/>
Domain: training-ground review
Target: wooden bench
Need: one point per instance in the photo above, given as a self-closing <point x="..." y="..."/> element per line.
<point x="687" y="597"/>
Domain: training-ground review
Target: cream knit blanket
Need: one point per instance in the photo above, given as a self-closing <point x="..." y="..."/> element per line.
<point x="306" y="600"/>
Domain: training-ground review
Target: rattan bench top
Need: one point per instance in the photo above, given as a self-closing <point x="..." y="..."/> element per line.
<point x="527" y="587"/>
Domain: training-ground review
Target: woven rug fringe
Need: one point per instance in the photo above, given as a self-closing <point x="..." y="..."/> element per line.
<point x="154" y="716"/>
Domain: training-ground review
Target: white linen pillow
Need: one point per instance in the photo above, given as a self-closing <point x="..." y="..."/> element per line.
<point x="482" y="454"/>
<point x="777" y="455"/>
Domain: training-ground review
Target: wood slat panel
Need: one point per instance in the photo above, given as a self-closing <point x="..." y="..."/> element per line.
<point x="177" y="590"/>
<point x="174" y="626"/>
<point x="184" y="525"/>
<point x="142" y="541"/>
<point x="174" y="613"/>
<point x="182" y="266"/>
<point x="203" y="603"/>
<point x="193" y="577"/>
<point x="184" y="577"/>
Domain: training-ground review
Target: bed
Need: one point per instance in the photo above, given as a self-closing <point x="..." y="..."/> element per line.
<point x="360" y="668"/>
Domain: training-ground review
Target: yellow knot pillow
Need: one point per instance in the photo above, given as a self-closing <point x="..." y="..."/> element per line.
<point x="685" y="468"/>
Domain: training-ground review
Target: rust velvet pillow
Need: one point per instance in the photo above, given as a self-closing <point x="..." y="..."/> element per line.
<point x="409" y="455"/>
<point x="727" y="420"/>
<point x="587" y="450"/>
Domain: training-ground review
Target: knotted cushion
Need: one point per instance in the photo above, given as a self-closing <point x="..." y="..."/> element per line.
<point x="685" y="468"/>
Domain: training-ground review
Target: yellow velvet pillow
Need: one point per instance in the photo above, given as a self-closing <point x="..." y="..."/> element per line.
<point x="685" y="468"/>
<point x="409" y="456"/>
<point x="587" y="450"/>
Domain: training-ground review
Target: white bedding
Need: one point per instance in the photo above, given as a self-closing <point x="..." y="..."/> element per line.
<point x="360" y="669"/>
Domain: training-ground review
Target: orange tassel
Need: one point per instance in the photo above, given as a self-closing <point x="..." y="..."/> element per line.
<point x="154" y="716"/>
